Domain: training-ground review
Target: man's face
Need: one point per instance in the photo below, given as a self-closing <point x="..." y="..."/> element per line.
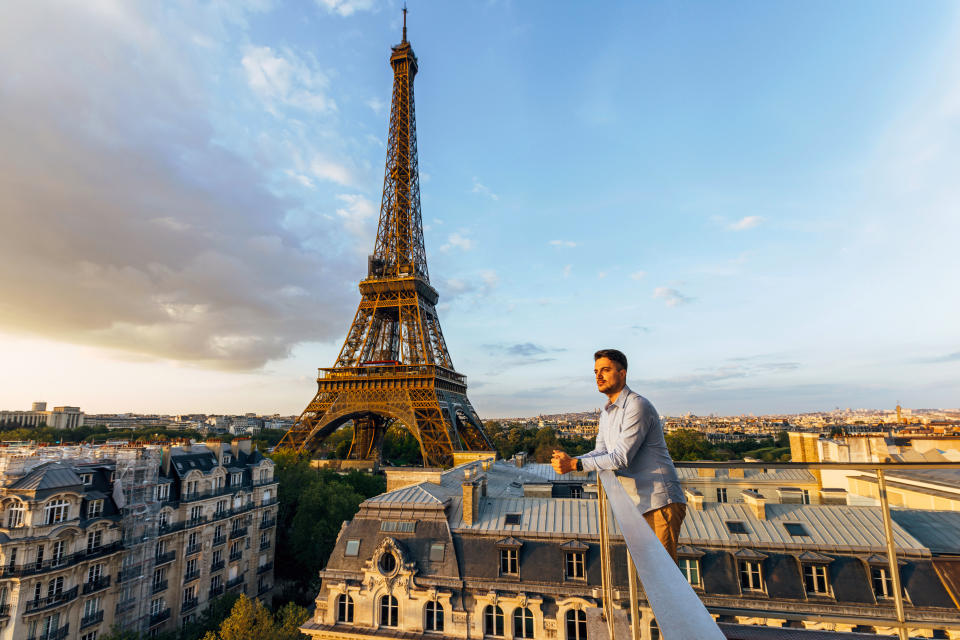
<point x="610" y="377"/>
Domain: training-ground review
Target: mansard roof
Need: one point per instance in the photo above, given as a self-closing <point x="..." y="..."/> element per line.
<point x="48" y="477"/>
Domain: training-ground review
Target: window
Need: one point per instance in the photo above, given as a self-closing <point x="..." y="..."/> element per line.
<point x="191" y="487"/>
<point x="344" y="608"/>
<point x="508" y="562"/>
<point x="218" y="531"/>
<point x="95" y="508"/>
<point x="193" y="539"/>
<point x="59" y="551"/>
<point x="522" y="623"/>
<point x="882" y="582"/>
<point x="750" y="577"/>
<point x="55" y="511"/>
<point x="264" y="475"/>
<point x="217" y="556"/>
<point x="191" y="567"/>
<point x="806" y="496"/>
<point x="37" y="590"/>
<point x="156" y="606"/>
<point x="164" y="519"/>
<point x="50" y="625"/>
<point x="721" y="494"/>
<point x="264" y="539"/>
<point x="159" y="575"/>
<point x="654" y="630"/>
<point x="387" y="563"/>
<point x="15" y="515"/>
<point x="576" y="624"/>
<point x="575" y="565"/>
<point x="734" y="526"/>
<point x="815" y="579"/>
<point x="236" y="479"/>
<point x="94" y="572"/>
<point x="388" y="611"/>
<point x="433" y="612"/>
<point x="216" y="581"/>
<point x="795" y="529"/>
<point x="218" y="483"/>
<point x="221" y="507"/>
<point x="227" y="458"/>
<point x="436" y="551"/>
<point x="236" y="549"/>
<point x="690" y="567"/>
<point x="55" y="587"/>
<point x="492" y="620"/>
<point x="190" y="593"/>
<point x="576" y="492"/>
<point x="353" y="548"/>
<point x="91" y="607"/>
<point x="86" y="478"/>
<point x="196" y="512"/>
<point x="94" y="540"/>
<point x="12" y="558"/>
<point x="511" y="518"/>
<point x="39" y="555"/>
<point x="90" y="636"/>
<point x="163" y="491"/>
<point x="398" y="526"/>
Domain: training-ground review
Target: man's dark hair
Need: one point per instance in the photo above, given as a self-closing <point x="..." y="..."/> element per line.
<point x="612" y="354"/>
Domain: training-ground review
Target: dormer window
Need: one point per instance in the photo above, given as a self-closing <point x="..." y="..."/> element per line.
<point x="227" y="458"/>
<point x="56" y="511"/>
<point x="163" y="492"/>
<point x="15" y="515"/>
<point x="815" y="579"/>
<point x="86" y="478"/>
<point x="95" y="508"/>
<point x="509" y="556"/>
<point x="236" y="479"/>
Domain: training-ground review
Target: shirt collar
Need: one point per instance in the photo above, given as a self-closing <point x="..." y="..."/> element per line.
<point x="621" y="399"/>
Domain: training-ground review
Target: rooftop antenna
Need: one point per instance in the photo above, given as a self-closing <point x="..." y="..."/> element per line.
<point x="404" y="22"/>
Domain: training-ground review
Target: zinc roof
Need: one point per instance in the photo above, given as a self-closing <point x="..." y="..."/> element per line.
<point x="938" y="530"/>
<point x="754" y="475"/>
<point x="48" y="476"/>
<point x="417" y="494"/>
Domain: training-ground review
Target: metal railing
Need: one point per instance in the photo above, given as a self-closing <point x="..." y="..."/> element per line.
<point x="55" y="600"/>
<point x="219" y="540"/>
<point x="160" y="616"/>
<point x="53" y="634"/>
<point x="216" y="566"/>
<point x="266" y="523"/>
<point x="235" y="582"/>
<point x="194" y="548"/>
<point x="166" y="556"/>
<point x="191" y="575"/>
<point x="676" y="606"/>
<point x="63" y="562"/>
<point x="215" y="590"/>
<point x="189" y="605"/>
<point x="96" y="584"/>
<point x="93" y="618"/>
<point x="267" y="566"/>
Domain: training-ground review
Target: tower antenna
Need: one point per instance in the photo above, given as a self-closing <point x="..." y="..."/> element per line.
<point x="404" y="22"/>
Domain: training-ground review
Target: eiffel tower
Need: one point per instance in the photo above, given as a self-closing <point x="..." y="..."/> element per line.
<point x="394" y="366"/>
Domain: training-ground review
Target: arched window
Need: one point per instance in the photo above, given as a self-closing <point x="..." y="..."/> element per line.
<point x="434" y="616"/>
<point x="15" y="514"/>
<point x="492" y="620"/>
<point x="654" y="630"/>
<point x="576" y="624"/>
<point x="344" y="608"/>
<point x="55" y="511"/>
<point x="522" y="623"/>
<point x="388" y="611"/>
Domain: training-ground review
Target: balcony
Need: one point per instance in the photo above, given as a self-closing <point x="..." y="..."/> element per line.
<point x="216" y="566"/>
<point x="213" y="493"/>
<point x="55" y="564"/>
<point x="53" y="634"/>
<point x="267" y="523"/>
<point x="96" y="584"/>
<point x="260" y="483"/>
<point x="238" y="532"/>
<point x="165" y="557"/>
<point x="219" y="540"/>
<point x="215" y="591"/>
<point x="50" y="602"/>
<point x="160" y="616"/>
<point x="194" y="548"/>
<point x="191" y="576"/>
<point x="265" y="568"/>
<point x="265" y="545"/>
<point x="126" y="605"/>
<point x="236" y="555"/>
<point x="92" y="619"/>
<point x="264" y="588"/>
<point x="194" y="522"/>
<point x="269" y="501"/>
<point x="235" y="582"/>
<point x="157" y="587"/>
<point x="129" y="573"/>
<point x="188" y="605"/>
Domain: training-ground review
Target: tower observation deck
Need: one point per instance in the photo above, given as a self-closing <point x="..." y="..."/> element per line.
<point x="394" y="366"/>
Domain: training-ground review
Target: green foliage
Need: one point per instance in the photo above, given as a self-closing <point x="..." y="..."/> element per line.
<point x="313" y="504"/>
<point x="400" y="448"/>
<point x="539" y="443"/>
<point x="248" y="620"/>
<point x="210" y="619"/>
<point x="688" y="444"/>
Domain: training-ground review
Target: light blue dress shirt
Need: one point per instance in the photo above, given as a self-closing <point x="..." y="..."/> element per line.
<point x="630" y="442"/>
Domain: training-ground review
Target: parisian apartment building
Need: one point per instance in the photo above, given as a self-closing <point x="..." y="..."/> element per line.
<point x="138" y="537"/>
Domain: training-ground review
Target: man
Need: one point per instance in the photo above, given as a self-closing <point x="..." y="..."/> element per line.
<point x="630" y="442"/>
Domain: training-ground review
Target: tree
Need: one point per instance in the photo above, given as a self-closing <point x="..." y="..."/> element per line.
<point x="248" y="620"/>
<point x="211" y="618"/>
<point x="289" y="618"/>
<point x="688" y="444"/>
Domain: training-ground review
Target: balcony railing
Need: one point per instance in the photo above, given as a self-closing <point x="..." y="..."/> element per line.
<point x="219" y="540"/>
<point x="213" y="493"/>
<point x="54" y="564"/>
<point x="194" y="548"/>
<point x="157" y="587"/>
<point x="235" y="555"/>
<point x="160" y="616"/>
<point x="266" y="523"/>
<point x="264" y="545"/>
<point x="235" y="582"/>
<point x="92" y="619"/>
<point x="264" y="568"/>
<point x="269" y="501"/>
<point x="126" y="605"/>
<point x="96" y="584"/>
<point x="53" y="634"/>
<point x="52" y="601"/>
<point x="264" y="588"/>
<point x="215" y="590"/>
<point x="166" y="556"/>
<point x="676" y="606"/>
<point x="260" y="483"/>
<point x="191" y="575"/>
<point x="216" y="566"/>
<point x="188" y="605"/>
<point x="238" y="532"/>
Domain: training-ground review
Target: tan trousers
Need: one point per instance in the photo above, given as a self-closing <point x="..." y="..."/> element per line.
<point x="665" y="523"/>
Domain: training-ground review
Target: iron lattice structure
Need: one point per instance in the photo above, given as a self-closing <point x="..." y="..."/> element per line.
<point x="394" y="366"/>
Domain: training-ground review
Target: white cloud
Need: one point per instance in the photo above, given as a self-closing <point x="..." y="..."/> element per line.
<point x="356" y="214"/>
<point x="566" y="270"/>
<point x="377" y="105"/>
<point x="171" y="223"/>
<point x="458" y="240"/>
<point x="672" y="297"/>
<point x="747" y="222"/>
<point x="638" y="275"/>
<point x="563" y="244"/>
<point x="324" y="168"/>
<point x="286" y="80"/>
<point x="483" y="189"/>
<point x="347" y="8"/>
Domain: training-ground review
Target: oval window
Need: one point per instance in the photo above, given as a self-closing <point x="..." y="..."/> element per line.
<point x="387" y="563"/>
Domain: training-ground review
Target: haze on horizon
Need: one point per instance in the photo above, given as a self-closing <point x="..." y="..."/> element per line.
<point x="759" y="206"/>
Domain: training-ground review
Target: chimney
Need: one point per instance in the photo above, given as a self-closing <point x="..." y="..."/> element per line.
<point x="520" y="458"/>
<point x="756" y="503"/>
<point x="706" y="472"/>
<point x="471" y="501"/>
<point x="214" y="445"/>
<point x="165" y="459"/>
<point x="694" y="499"/>
<point x="243" y="445"/>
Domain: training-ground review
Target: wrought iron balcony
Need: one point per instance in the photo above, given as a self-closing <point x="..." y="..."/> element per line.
<point x="92" y="619"/>
<point x="55" y="600"/>
<point x="215" y="590"/>
<point x="96" y="584"/>
<point x="264" y="588"/>
<point x="235" y="582"/>
<point x="55" y="564"/>
<point x="238" y="532"/>
<point x="188" y="605"/>
<point x="53" y="634"/>
<point x="194" y="548"/>
<point x="166" y="556"/>
<point x="190" y="576"/>
<point x="160" y="616"/>
<point x="157" y="587"/>
<point x="216" y="566"/>
<point x="194" y="522"/>
<point x="267" y="523"/>
<point x="235" y="555"/>
<point x="265" y="545"/>
<point x="219" y="540"/>
<point x="126" y="605"/>
<point x="269" y="501"/>
<point x="260" y="483"/>
<point x="265" y="567"/>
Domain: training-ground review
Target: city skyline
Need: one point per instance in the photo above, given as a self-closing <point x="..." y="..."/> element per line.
<point x="191" y="197"/>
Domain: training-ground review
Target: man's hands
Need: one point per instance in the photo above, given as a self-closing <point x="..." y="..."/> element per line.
<point x="562" y="463"/>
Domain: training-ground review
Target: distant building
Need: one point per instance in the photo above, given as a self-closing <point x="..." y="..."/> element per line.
<point x="491" y="550"/>
<point x="59" y="418"/>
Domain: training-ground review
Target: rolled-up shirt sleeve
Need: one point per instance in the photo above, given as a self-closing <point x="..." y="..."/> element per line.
<point x="617" y="455"/>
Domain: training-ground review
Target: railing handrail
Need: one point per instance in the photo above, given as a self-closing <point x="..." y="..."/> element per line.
<point x="852" y="466"/>
<point x="676" y="607"/>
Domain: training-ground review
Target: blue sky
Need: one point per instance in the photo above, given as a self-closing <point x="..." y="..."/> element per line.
<point x="757" y="202"/>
